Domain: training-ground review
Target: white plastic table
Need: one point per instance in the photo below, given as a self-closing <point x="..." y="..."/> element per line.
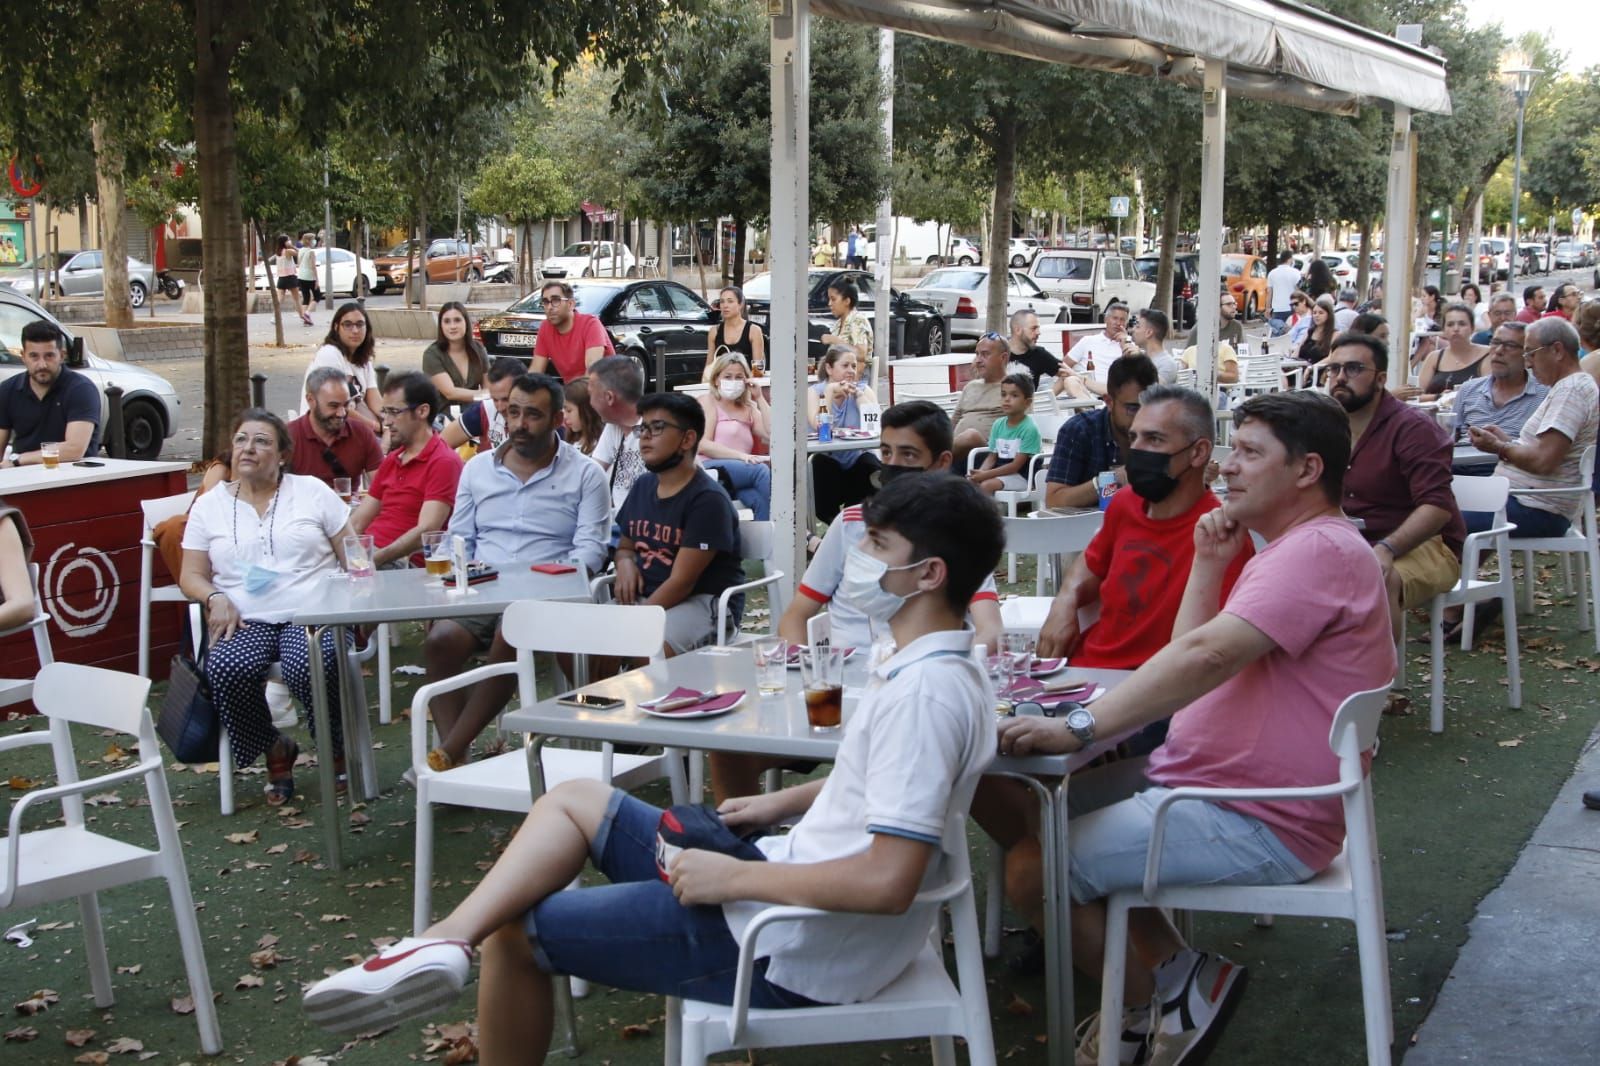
<point x="1467" y="455"/>
<point x="776" y="725"/>
<point x="402" y="596"/>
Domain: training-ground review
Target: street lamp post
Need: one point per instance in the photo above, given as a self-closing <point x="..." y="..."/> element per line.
<point x="1522" y="86"/>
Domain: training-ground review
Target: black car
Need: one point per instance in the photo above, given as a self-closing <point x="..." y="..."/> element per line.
<point x="1185" y="283"/>
<point x="636" y="314"/>
<point x="926" y="331"/>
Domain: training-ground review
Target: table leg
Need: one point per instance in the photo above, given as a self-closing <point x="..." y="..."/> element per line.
<point x="1059" y="1021"/>
<point x="1061" y="914"/>
<point x="325" y="775"/>
<point x="561" y="989"/>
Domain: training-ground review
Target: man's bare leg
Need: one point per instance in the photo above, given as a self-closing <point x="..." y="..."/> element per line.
<point x="483" y="701"/>
<point x="1151" y="937"/>
<point x="445" y="652"/>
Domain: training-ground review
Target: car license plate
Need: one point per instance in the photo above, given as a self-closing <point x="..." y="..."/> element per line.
<point x="519" y="340"/>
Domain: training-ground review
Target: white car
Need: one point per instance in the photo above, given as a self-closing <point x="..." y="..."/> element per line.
<point x="1023" y="251"/>
<point x="592" y="259"/>
<point x="346" y="280"/>
<point x="962" y="296"/>
<point x="149" y="402"/>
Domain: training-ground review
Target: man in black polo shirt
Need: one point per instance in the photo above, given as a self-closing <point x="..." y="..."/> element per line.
<point x="50" y="402"/>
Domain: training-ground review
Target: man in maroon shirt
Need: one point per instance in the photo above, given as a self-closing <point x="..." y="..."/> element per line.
<point x="415" y="488"/>
<point x="1399" y="478"/>
<point x="328" y="443"/>
<point x="569" y="339"/>
<point x="1532" y="304"/>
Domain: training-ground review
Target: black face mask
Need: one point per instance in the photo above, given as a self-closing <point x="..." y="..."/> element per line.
<point x="1148" y="473"/>
<point x="887" y="473"/>
<point x="665" y="465"/>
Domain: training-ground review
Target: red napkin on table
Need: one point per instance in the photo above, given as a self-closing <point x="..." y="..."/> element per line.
<point x="711" y="702"/>
<point x="1028" y="689"/>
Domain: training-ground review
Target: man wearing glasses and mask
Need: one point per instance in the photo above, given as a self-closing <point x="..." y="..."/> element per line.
<point x="328" y="443"/>
<point x="1398" y="483"/>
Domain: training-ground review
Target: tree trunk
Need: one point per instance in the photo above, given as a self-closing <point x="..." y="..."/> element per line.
<point x="1171" y="208"/>
<point x="85" y="239"/>
<point x="998" y="254"/>
<point x="1419" y="266"/>
<point x="411" y="259"/>
<point x="108" y="165"/>
<point x="738" y="251"/>
<point x="227" y="382"/>
<point x="700" y="260"/>
<point x="1364" y="268"/>
<point x="1272" y="245"/>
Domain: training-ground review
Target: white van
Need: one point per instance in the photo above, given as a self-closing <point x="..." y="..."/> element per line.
<point x="918" y="242"/>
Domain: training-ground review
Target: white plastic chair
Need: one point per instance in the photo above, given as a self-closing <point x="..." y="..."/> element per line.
<point x="921" y="1002"/>
<point x="65" y="861"/>
<point x="1579" y="540"/>
<point x="1486" y="494"/>
<point x="1186" y="378"/>
<point x="1350" y="888"/>
<point x="157" y="511"/>
<point x="500" y="783"/>
<point x="17" y="689"/>
<point x="1014" y="499"/>
<point x="756" y="541"/>
<point x="1046" y="537"/>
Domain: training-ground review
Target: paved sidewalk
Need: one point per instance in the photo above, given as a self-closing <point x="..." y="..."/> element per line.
<point x="1526" y="986"/>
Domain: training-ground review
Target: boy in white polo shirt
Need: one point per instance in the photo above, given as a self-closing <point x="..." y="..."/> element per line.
<point x="868" y="837"/>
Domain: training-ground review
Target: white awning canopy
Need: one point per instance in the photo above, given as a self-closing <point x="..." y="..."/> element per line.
<point x="1275" y="50"/>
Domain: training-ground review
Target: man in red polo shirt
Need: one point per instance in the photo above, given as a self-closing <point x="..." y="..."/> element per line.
<point x="569" y="342"/>
<point x="328" y="443"/>
<point x="415" y="488"/>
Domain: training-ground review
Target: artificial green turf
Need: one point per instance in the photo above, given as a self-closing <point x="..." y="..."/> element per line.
<point x="1453" y="811"/>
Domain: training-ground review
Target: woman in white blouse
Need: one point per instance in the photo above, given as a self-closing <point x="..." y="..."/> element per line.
<point x="348" y="348"/>
<point x="254" y="549"/>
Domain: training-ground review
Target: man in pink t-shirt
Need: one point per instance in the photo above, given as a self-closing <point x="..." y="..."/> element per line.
<point x="569" y="342"/>
<point x="1255" y="682"/>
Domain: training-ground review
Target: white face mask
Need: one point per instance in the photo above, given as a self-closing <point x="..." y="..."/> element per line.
<point x="862" y="586"/>
<point x="731" y="388"/>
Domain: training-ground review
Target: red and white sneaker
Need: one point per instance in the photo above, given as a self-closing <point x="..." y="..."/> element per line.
<point x="405" y="979"/>
<point x="1196" y="992"/>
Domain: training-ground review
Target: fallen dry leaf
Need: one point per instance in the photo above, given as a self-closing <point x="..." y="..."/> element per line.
<point x="304" y="855"/>
<point x="1019" y="1006"/>
<point x="135" y="968"/>
<point x="40" y="1000"/>
<point x="463" y="1050"/>
<point x="267" y="940"/>
<point x="103" y="799"/>
<point x="79" y="1037"/>
<point x="359" y="817"/>
<point x="244" y="838"/>
<point x="114" y="754"/>
<point x="18" y="783"/>
<point x="635" y="1030"/>
<point x="125" y="1045"/>
<point x="249" y="980"/>
<point x="265" y="959"/>
<point x="93" y="1058"/>
<point x="183" y="1005"/>
<point x="277" y="849"/>
<point x="335" y="917"/>
<point x="21" y="1034"/>
<point x="1514" y="742"/>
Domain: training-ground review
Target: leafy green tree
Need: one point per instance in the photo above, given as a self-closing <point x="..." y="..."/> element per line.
<point x="524" y="186"/>
<point x="1559" y="159"/>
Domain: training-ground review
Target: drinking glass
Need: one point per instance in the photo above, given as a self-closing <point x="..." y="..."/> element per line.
<point x="358" y="551"/>
<point x="822" y="672"/>
<point x="341" y="485"/>
<point x="772" y="665"/>
<point x="1019" y="646"/>
<point x="1001" y="668"/>
<point x="436" y="552"/>
<point x="50" y="452"/>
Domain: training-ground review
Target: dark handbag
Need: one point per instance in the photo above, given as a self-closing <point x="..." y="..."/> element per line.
<point x="189" y="724"/>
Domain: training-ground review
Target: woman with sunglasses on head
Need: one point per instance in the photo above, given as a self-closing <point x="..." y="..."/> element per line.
<point x="348" y="347"/>
<point x="253" y="550"/>
<point x="840" y="478"/>
<point x="456" y="362"/>
<point x="736" y="333"/>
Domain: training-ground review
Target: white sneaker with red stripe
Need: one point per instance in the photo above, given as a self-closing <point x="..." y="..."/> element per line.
<point x="1197" y="992"/>
<point x="405" y="979"/>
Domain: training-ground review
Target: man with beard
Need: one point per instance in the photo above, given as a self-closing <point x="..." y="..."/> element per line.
<point x="680" y="535"/>
<point x="483" y="424"/>
<point x="570" y="342"/>
<point x="50" y="403"/>
<point x="327" y="442"/>
<point x="1398" y="483"/>
<point x="534" y="499"/>
<point x="1094" y="441"/>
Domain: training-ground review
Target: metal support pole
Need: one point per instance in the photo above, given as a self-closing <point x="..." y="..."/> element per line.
<point x="1213" y="143"/>
<point x="1398" y="227"/>
<point x="258" y="389"/>
<point x="883" y="309"/>
<point x="787" y="361"/>
<point x="1513" y="253"/>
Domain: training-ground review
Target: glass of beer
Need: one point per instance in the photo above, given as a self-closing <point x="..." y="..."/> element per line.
<point x="436" y="553"/>
<point x="358" y="550"/>
<point x="772" y="665"/>
<point x="822" y="672"/>
<point x="341" y="485"/>
<point x="50" y="452"/>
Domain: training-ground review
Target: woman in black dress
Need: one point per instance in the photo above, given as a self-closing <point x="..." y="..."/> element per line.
<point x="735" y="333"/>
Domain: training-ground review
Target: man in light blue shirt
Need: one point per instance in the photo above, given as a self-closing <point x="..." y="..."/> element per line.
<point x="534" y="499"/>
<point x="1506" y="396"/>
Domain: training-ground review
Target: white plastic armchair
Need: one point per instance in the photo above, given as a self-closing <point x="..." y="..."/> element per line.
<point x="756" y="542"/>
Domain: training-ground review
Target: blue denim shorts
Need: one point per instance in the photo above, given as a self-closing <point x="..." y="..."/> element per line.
<point x="1111" y="809"/>
<point x="633" y="933"/>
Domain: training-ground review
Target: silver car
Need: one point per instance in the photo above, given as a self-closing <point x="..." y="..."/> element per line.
<point x="79" y="274"/>
<point x="149" y="402"/>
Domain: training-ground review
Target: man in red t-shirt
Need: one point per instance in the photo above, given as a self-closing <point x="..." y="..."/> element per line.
<point x="569" y="339"/>
<point x="1134" y="572"/>
<point x="414" y="490"/>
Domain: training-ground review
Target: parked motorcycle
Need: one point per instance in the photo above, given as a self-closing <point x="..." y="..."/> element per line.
<point x="500" y="273"/>
<point x="170" y="285"/>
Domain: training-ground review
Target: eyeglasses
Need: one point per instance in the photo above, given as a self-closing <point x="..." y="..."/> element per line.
<point x="396" y="412"/>
<point x="557" y="299"/>
<point x="1529" y="353"/>
<point x="1348" y="370"/>
<point x="261" y="443"/>
<point x="352" y="323"/>
<point x="657" y="427"/>
<point x="1505" y="344"/>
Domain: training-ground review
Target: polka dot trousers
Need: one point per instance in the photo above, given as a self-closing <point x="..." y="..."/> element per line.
<point x="237" y="671"/>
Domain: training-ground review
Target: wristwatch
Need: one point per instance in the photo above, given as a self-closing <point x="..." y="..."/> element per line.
<point x="1080" y="723"/>
<point x="16" y="460"/>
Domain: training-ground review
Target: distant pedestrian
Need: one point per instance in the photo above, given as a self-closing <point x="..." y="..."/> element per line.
<point x="286" y="271"/>
<point x="1281" y="285"/>
<point x="1319" y="279"/>
<point x="306" y="275"/>
<point x="856" y="254"/>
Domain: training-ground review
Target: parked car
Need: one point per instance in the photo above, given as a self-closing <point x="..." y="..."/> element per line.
<point x="962" y="295"/>
<point x="149" y="402"/>
<point x="447" y="260"/>
<point x="926" y="330"/>
<point x="1344" y="266"/>
<point x="1088" y="281"/>
<point x="1246" y="277"/>
<point x="1535" y="257"/>
<point x="1024" y="250"/>
<point x="635" y="314"/>
<point x="592" y="259"/>
<point x="1185" y="284"/>
<point x="1569" y="256"/>
<point x="80" y="274"/>
<point x="348" y="279"/>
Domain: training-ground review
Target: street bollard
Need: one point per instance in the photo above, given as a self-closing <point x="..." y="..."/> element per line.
<point x="382" y="371"/>
<point x="897" y="347"/>
<point x="660" y="347"/>
<point x="116" y="440"/>
<point x="258" y="389"/>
